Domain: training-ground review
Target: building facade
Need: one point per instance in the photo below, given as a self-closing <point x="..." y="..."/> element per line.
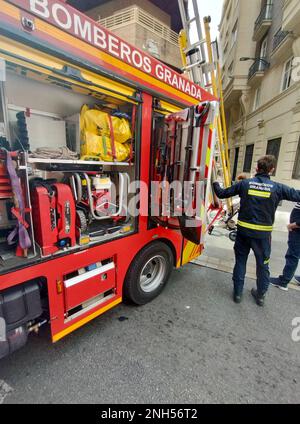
<point x="143" y="23"/>
<point x="260" y="42"/>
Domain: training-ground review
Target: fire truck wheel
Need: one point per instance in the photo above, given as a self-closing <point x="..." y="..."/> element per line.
<point x="148" y="273"/>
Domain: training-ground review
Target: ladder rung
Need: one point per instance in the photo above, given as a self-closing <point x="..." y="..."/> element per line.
<point x="190" y="21"/>
<point x="193" y="65"/>
<point x="195" y="45"/>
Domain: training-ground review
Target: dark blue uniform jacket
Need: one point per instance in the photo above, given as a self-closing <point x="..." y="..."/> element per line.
<point x="259" y="200"/>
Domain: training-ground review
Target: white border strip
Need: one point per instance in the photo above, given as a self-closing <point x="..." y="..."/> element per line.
<point x="80" y="278"/>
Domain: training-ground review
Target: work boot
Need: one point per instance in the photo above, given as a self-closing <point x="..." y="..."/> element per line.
<point x="276" y="282"/>
<point x="259" y="299"/>
<point x="237" y="298"/>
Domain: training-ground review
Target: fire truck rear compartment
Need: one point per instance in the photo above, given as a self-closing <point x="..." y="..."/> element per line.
<point x="69" y="193"/>
<point x="52" y="119"/>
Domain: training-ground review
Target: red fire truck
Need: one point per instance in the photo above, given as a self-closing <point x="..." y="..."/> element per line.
<point x="82" y="114"/>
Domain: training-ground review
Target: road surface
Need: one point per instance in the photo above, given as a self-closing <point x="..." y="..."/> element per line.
<point x="190" y="345"/>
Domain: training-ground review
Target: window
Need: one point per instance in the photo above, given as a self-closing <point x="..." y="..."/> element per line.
<point x="230" y="69"/>
<point x="234" y="33"/>
<point x="273" y="148"/>
<point x="263" y="48"/>
<point x="236" y="161"/>
<point x="225" y="49"/>
<point x="296" y="170"/>
<point x="228" y="14"/>
<point x="248" y="158"/>
<point x="287" y="74"/>
<point x="257" y="96"/>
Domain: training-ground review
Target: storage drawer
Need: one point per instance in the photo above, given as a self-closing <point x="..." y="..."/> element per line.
<point x="83" y="287"/>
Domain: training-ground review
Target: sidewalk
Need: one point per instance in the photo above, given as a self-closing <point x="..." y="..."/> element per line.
<point x="219" y="252"/>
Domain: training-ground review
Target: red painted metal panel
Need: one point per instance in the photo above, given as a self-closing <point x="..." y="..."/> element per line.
<point x="79" y="292"/>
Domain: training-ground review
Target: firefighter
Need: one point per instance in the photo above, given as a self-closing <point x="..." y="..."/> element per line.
<point x="259" y="198"/>
<point x="293" y="253"/>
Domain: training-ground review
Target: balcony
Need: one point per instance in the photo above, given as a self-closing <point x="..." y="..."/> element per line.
<point x="263" y="22"/>
<point x="142" y="30"/>
<point x="282" y="44"/>
<point x="136" y="15"/>
<point x="257" y="71"/>
<point x="291" y="16"/>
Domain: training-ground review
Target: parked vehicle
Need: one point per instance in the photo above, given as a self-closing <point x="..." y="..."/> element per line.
<point x="87" y="123"/>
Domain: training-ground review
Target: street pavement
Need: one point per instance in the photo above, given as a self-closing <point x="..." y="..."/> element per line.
<point x="190" y="345"/>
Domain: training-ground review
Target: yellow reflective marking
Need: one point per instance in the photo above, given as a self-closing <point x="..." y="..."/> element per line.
<point x="208" y="156"/>
<point x="255" y="227"/>
<point x="187" y="253"/>
<point x="258" y="193"/>
<point x="85" y="320"/>
<point x="169" y="107"/>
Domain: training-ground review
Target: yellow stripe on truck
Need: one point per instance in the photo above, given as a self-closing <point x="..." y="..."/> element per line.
<point x="258" y="193"/>
<point x="70" y="39"/>
<point x="85" y="320"/>
<point x="255" y="226"/>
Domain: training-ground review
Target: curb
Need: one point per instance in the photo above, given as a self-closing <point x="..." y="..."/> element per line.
<point x="227" y="267"/>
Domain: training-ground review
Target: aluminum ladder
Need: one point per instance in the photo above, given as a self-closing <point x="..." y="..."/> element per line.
<point x="201" y="64"/>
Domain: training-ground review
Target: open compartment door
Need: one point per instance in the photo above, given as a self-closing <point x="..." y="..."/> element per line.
<point x="197" y="157"/>
<point x="183" y="164"/>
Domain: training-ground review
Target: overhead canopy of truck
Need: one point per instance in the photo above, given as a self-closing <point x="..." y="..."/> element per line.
<point x="54" y="35"/>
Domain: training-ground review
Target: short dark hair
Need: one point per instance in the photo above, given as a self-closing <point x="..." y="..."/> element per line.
<point x="266" y="164"/>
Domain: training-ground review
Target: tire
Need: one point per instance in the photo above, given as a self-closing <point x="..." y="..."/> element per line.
<point x="81" y="221"/>
<point x="148" y="274"/>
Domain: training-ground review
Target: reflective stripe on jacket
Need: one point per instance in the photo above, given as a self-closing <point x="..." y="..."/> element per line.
<point x="259" y="200"/>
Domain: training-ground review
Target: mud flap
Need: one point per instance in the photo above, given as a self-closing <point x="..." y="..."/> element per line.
<point x="189" y="230"/>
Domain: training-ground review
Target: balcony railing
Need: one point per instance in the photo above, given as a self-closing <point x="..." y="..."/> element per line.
<point x="260" y="65"/>
<point x="265" y="15"/>
<point x="137" y="15"/>
<point x="279" y="37"/>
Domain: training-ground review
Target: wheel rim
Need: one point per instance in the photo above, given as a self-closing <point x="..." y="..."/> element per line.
<point x="153" y="273"/>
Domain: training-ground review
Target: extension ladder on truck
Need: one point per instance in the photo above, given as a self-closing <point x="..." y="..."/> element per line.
<point x="201" y="64"/>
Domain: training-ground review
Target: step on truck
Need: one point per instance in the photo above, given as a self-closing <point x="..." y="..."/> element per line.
<point x="105" y="163"/>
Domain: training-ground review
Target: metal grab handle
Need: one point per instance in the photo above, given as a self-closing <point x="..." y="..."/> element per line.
<point x="76" y="186"/>
<point x="79" y="188"/>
